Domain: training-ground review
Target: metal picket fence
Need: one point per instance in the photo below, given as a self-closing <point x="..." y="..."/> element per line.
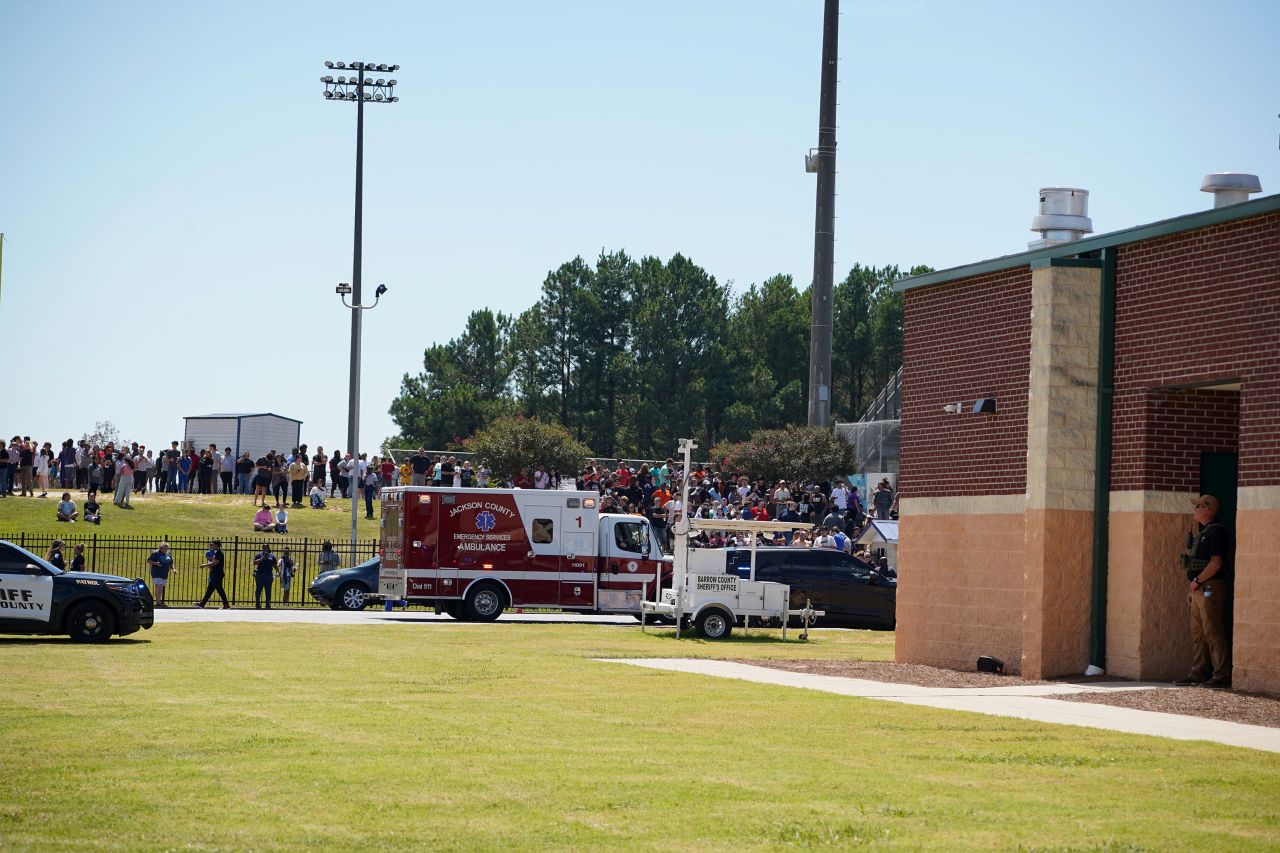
<point x="127" y="556"/>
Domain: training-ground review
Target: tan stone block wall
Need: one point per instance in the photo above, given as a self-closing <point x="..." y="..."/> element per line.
<point x="1256" y="643"/>
<point x="960" y="584"/>
<point x="1062" y="390"/>
<point x="1148" y="624"/>
<point x="1056" y="594"/>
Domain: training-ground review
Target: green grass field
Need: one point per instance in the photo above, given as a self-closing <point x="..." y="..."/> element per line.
<point x="177" y="515"/>
<point x="454" y="736"/>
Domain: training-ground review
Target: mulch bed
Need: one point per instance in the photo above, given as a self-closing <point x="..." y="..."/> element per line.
<point x="1230" y="705"/>
<point x="1233" y="706"/>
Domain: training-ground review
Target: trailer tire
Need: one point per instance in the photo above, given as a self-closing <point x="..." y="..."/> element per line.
<point x="484" y="602"/>
<point x="714" y="624"/>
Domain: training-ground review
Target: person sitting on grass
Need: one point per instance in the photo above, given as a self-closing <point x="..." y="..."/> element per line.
<point x="262" y="518"/>
<point x="67" y="509"/>
<point x="92" y="512"/>
<point x="282" y="520"/>
<point x="317" y="497"/>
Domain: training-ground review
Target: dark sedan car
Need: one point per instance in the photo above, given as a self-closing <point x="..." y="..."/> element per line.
<point x="347" y="589"/>
<point x="852" y="592"/>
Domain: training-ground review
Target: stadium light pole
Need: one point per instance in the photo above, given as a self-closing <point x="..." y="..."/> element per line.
<point x="375" y="90"/>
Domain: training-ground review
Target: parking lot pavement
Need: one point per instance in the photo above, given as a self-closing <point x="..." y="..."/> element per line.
<point x="369" y="616"/>
<point x="1028" y="702"/>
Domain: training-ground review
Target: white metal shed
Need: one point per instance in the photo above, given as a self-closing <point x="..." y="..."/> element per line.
<point x="255" y="432"/>
<point x="881" y="537"/>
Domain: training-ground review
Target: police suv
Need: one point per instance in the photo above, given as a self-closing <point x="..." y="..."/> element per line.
<point x="38" y="598"/>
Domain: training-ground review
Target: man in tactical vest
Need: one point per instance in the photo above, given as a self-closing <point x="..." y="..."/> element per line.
<point x="1208" y="566"/>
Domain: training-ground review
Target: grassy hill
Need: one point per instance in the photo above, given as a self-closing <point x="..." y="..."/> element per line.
<point x="179" y="515"/>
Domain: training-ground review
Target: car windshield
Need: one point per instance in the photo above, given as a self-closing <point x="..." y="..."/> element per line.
<point x="27" y="557"/>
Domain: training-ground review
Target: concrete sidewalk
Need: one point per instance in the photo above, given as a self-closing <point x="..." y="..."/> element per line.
<point x="1027" y="702"/>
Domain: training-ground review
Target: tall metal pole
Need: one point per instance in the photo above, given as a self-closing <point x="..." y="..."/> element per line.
<point x="353" y="415"/>
<point x="824" y="228"/>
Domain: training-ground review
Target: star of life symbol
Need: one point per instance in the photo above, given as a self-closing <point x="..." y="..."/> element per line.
<point x="485" y="521"/>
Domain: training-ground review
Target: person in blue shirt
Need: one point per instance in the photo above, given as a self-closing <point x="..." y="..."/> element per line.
<point x="161" y="563"/>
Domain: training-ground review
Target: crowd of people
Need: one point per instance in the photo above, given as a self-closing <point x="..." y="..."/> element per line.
<point x="837" y="511"/>
<point x="279" y="481"/>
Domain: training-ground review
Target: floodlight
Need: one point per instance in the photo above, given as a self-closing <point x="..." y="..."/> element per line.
<point x="393" y="100"/>
<point x="379" y="81"/>
<point x="377" y="97"/>
<point x="328" y="64"/>
<point x="391" y="82"/>
<point x="382" y="288"/>
<point x="340" y="64"/>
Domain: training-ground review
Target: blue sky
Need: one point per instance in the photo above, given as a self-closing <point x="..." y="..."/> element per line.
<point x="176" y="195"/>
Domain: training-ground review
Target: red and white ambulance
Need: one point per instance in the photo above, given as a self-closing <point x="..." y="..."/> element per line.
<point x="472" y="553"/>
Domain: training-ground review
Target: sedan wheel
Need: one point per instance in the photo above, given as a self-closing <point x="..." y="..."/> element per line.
<point x="352" y="596"/>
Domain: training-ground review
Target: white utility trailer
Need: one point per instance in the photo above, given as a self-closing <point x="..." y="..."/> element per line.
<point x="706" y="589"/>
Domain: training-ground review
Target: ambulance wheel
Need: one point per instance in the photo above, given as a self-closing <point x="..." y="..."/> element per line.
<point x="714" y="624"/>
<point x="484" y="603"/>
<point x="453" y="609"/>
<point x="91" y="622"/>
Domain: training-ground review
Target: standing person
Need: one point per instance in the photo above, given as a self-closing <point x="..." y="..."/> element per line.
<point x="328" y="559"/>
<point x="44" y="458"/>
<point x="882" y="500"/>
<point x="261" y="479"/>
<point x="67" y="463"/>
<point x="371" y="480"/>
<point x="406" y="473"/>
<point x="335" y="466"/>
<point x="124" y="481"/>
<point x="318" y="466"/>
<point x="388" y="474"/>
<point x="172" y="460"/>
<point x="279" y="478"/>
<point x="26" y="464"/>
<point x="421" y="466"/>
<point x="161" y="563"/>
<point x="1208" y="565"/>
<point x="205" y="467"/>
<point x="286" y="574"/>
<point x="82" y="465"/>
<point x="54" y="557"/>
<point x="214" y="561"/>
<point x="346" y="473"/>
<point x="483" y="475"/>
<point x="184" y="472"/>
<point x="77" y="559"/>
<point x="227" y="471"/>
<point x="297" y="479"/>
<point x="141" y="466"/>
<point x="5" y="484"/>
<point x="468" y="475"/>
<point x="264" y="572"/>
<point x="244" y="474"/>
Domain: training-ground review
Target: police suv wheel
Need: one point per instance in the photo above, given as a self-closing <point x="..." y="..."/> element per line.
<point x="352" y="596"/>
<point x="484" y="603"/>
<point x="91" y="622"/>
<point x="714" y="624"/>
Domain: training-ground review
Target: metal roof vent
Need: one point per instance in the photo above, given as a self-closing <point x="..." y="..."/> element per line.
<point x="1064" y="216"/>
<point x="1230" y="187"/>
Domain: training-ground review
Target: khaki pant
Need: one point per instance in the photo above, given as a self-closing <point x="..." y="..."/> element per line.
<point x="25" y="480"/>
<point x="1209" y="631"/>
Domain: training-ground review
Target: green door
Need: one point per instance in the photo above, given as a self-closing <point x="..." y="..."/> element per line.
<point x="1218" y="478"/>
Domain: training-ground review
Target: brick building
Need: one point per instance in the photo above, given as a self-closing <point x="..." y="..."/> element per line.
<point x="1130" y="372"/>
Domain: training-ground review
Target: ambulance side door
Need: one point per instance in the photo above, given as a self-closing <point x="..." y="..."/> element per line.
<point x="578" y="567"/>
